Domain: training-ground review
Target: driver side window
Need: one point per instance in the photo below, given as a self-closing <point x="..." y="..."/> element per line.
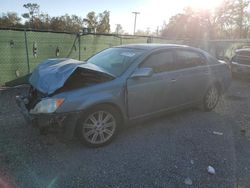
<point x="160" y="62"/>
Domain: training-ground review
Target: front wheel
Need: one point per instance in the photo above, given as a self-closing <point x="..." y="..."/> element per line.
<point x="211" y="98"/>
<point x="98" y="126"/>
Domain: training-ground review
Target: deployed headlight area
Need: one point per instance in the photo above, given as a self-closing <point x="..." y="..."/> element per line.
<point x="46" y="106"/>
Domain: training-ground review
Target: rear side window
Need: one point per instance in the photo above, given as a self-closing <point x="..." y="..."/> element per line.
<point x="160" y="62"/>
<point x="187" y="59"/>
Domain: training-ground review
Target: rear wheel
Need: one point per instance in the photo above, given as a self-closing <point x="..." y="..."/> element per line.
<point x="99" y="126"/>
<point x="211" y="98"/>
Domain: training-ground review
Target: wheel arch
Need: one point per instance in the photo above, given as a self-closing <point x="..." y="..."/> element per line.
<point x="108" y="105"/>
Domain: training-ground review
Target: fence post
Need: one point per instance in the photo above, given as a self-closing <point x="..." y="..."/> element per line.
<point x="79" y="46"/>
<point x="27" y="50"/>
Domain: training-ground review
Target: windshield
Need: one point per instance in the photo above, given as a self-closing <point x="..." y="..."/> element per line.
<point x="115" y="60"/>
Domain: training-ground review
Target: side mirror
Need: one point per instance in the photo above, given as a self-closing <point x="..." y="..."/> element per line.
<point x="142" y="72"/>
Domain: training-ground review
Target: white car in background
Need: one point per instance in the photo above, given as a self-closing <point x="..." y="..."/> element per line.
<point x="240" y="63"/>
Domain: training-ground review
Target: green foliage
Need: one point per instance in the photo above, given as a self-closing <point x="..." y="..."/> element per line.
<point x="10" y="20"/>
<point x="70" y="23"/>
<point x="91" y="20"/>
<point x="100" y="23"/>
<point x="103" y="23"/>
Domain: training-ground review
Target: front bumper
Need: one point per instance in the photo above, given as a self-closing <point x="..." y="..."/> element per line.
<point x="21" y="102"/>
<point x="66" y="121"/>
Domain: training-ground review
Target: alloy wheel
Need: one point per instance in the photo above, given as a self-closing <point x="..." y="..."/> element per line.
<point x="99" y="127"/>
<point x="212" y="97"/>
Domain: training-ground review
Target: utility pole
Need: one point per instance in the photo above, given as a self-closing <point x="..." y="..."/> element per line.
<point x="116" y="29"/>
<point x="135" y="20"/>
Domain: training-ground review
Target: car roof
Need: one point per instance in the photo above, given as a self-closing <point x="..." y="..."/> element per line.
<point x="151" y="46"/>
<point x="243" y="50"/>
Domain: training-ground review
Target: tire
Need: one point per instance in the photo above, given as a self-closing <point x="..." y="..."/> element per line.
<point x="98" y="126"/>
<point x="211" y="98"/>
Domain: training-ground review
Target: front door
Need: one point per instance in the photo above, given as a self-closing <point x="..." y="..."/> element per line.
<point x="151" y="94"/>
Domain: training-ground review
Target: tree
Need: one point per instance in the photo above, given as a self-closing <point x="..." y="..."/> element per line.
<point x="57" y="23"/>
<point x="33" y="12"/>
<point x="118" y="29"/>
<point x="224" y="19"/>
<point x="229" y="20"/>
<point x="71" y="23"/>
<point x="103" y="23"/>
<point x="91" y="21"/>
<point x="76" y="23"/>
<point x="10" y="19"/>
<point x="100" y="23"/>
<point x="241" y="15"/>
<point x="45" y="20"/>
<point x="183" y="25"/>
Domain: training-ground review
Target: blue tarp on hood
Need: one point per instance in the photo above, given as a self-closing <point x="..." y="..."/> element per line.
<point x="51" y="74"/>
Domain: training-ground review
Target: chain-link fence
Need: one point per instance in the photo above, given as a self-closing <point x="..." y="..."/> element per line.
<point x="21" y="51"/>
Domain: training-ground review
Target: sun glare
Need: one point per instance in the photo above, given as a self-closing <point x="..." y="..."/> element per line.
<point x="154" y="12"/>
<point x="199" y="4"/>
<point x="196" y="4"/>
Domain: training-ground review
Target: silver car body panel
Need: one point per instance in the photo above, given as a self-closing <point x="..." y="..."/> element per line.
<point x="141" y="97"/>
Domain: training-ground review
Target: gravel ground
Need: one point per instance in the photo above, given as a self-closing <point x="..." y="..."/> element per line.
<point x="158" y="153"/>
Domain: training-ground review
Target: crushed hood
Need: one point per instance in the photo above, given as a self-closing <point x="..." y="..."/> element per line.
<point x="51" y="74"/>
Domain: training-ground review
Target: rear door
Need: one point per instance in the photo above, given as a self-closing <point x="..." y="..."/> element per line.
<point x="192" y="76"/>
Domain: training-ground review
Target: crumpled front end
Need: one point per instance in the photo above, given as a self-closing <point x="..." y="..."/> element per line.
<point x="51" y="78"/>
<point x="46" y="121"/>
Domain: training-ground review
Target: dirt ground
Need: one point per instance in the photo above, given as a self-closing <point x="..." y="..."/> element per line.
<point x="163" y="152"/>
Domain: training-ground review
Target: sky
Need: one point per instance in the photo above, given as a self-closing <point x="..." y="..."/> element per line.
<point x="152" y="12"/>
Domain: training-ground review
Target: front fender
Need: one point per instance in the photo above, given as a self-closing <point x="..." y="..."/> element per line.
<point x="101" y="98"/>
<point x="80" y="101"/>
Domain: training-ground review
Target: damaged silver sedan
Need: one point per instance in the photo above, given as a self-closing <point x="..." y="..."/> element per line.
<point x="93" y="99"/>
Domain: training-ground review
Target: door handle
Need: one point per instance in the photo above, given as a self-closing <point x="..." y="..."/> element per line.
<point x="173" y="80"/>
